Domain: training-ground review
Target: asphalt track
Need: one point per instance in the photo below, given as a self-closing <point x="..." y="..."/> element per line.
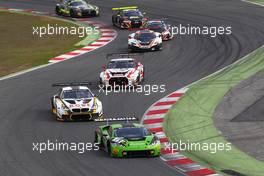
<point x="25" y="100"/>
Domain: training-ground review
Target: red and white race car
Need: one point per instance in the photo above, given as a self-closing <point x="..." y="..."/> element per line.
<point x="160" y="26"/>
<point x="125" y="71"/>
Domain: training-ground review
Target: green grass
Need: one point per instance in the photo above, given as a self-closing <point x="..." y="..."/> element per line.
<point x="191" y="119"/>
<point x="258" y="1"/>
<point x="20" y="49"/>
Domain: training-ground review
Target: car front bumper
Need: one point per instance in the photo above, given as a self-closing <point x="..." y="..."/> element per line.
<point x="79" y="116"/>
<point x="119" y="81"/>
<point x="142" y="48"/>
<point x="144" y="151"/>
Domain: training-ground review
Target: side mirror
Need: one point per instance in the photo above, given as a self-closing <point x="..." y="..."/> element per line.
<point x="103" y="67"/>
<point x="56" y="96"/>
<point x="144" y="13"/>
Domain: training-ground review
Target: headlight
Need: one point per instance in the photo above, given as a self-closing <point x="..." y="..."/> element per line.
<point x="134" y="44"/>
<point x="154" y="141"/>
<point x="64" y="107"/>
<point x="106" y="75"/>
<point x="154" y="43"/>
<point x="119" y="142"/>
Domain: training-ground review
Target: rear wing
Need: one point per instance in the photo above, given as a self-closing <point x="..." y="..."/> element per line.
<point x="74" y="84"/>
<point x="158" y="19"/>
<point x="124" y="8"/>
<point x="116" y="119"/>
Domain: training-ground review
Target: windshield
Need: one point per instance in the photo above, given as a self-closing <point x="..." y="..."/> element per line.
<point x="146" y="37"/>
<point x="76" y="94"/>
<point x="155" y="25"/>
<point x="131" y="132"/>
<point x="132" y="13"/>
<point x="77" y="3"/>
<point x="121" y="64"/>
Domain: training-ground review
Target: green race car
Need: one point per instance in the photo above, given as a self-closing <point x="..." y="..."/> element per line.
<point x="127" y="140"/>
<point x="76" y="8"/>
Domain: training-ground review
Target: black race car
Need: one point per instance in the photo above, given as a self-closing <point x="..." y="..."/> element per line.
<point x="128" y="17"/>
<point x="76" y="8"/>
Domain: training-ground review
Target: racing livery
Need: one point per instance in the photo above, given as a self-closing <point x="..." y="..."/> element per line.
<point x="76" y="8"/>
<point x="128" y="17"/>
<point x="160" y="26"/>
<point x="123" y="70"/>
<point x="127" y="140"/>
<point x="144" y="40"/>
<point x="76" y="103"/>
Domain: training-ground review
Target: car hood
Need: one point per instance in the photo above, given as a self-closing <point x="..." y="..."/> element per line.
<point x="79" y="103"/>
<point x="85" y="7"/>
<point x="160" y="30"/>
<point x="119" y="70"/>
<point x="135" y="18"/>
<point x="138" y="141"/>
<point x="145" y="42"/>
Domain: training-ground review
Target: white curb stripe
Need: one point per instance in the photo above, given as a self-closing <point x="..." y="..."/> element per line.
<point x="108" y="34"/>
<point x="105" y="38"/>
<point x="154" y="125"/>
<point x="66" y="56"/>
<point x="161" y="107"/>
<point x="156" y="116"/>
<point x="102" y="43"/>
<point x="169" y="99"/>
<point x="79" y="51"/>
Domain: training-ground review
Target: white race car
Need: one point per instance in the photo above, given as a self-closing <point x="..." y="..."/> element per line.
<point x="122" y="71"/>
<point x="76" y="103"/>
<point x="144" y="40"/>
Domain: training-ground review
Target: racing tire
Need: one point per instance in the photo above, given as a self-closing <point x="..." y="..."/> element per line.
<point x="72" y="15"/>
<point x="113" y="21"/>
<point x="130" y="50"/>
<point x="52" y="105"/>
<point x="109" y="151"/>
<point x="57" y="10"/>
<point x="137" y="81"/>
<point x="101" y="81"/>
<point x="159" y="47"/>
<point x="93" y="14"/>
<point x="96" y="141"/>
<point x="143" y="78"/>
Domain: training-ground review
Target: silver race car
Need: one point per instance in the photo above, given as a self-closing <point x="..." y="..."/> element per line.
<point x="76" y="8"/>
<point x="123" y="70"/>
<point x="76" y="103"/>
